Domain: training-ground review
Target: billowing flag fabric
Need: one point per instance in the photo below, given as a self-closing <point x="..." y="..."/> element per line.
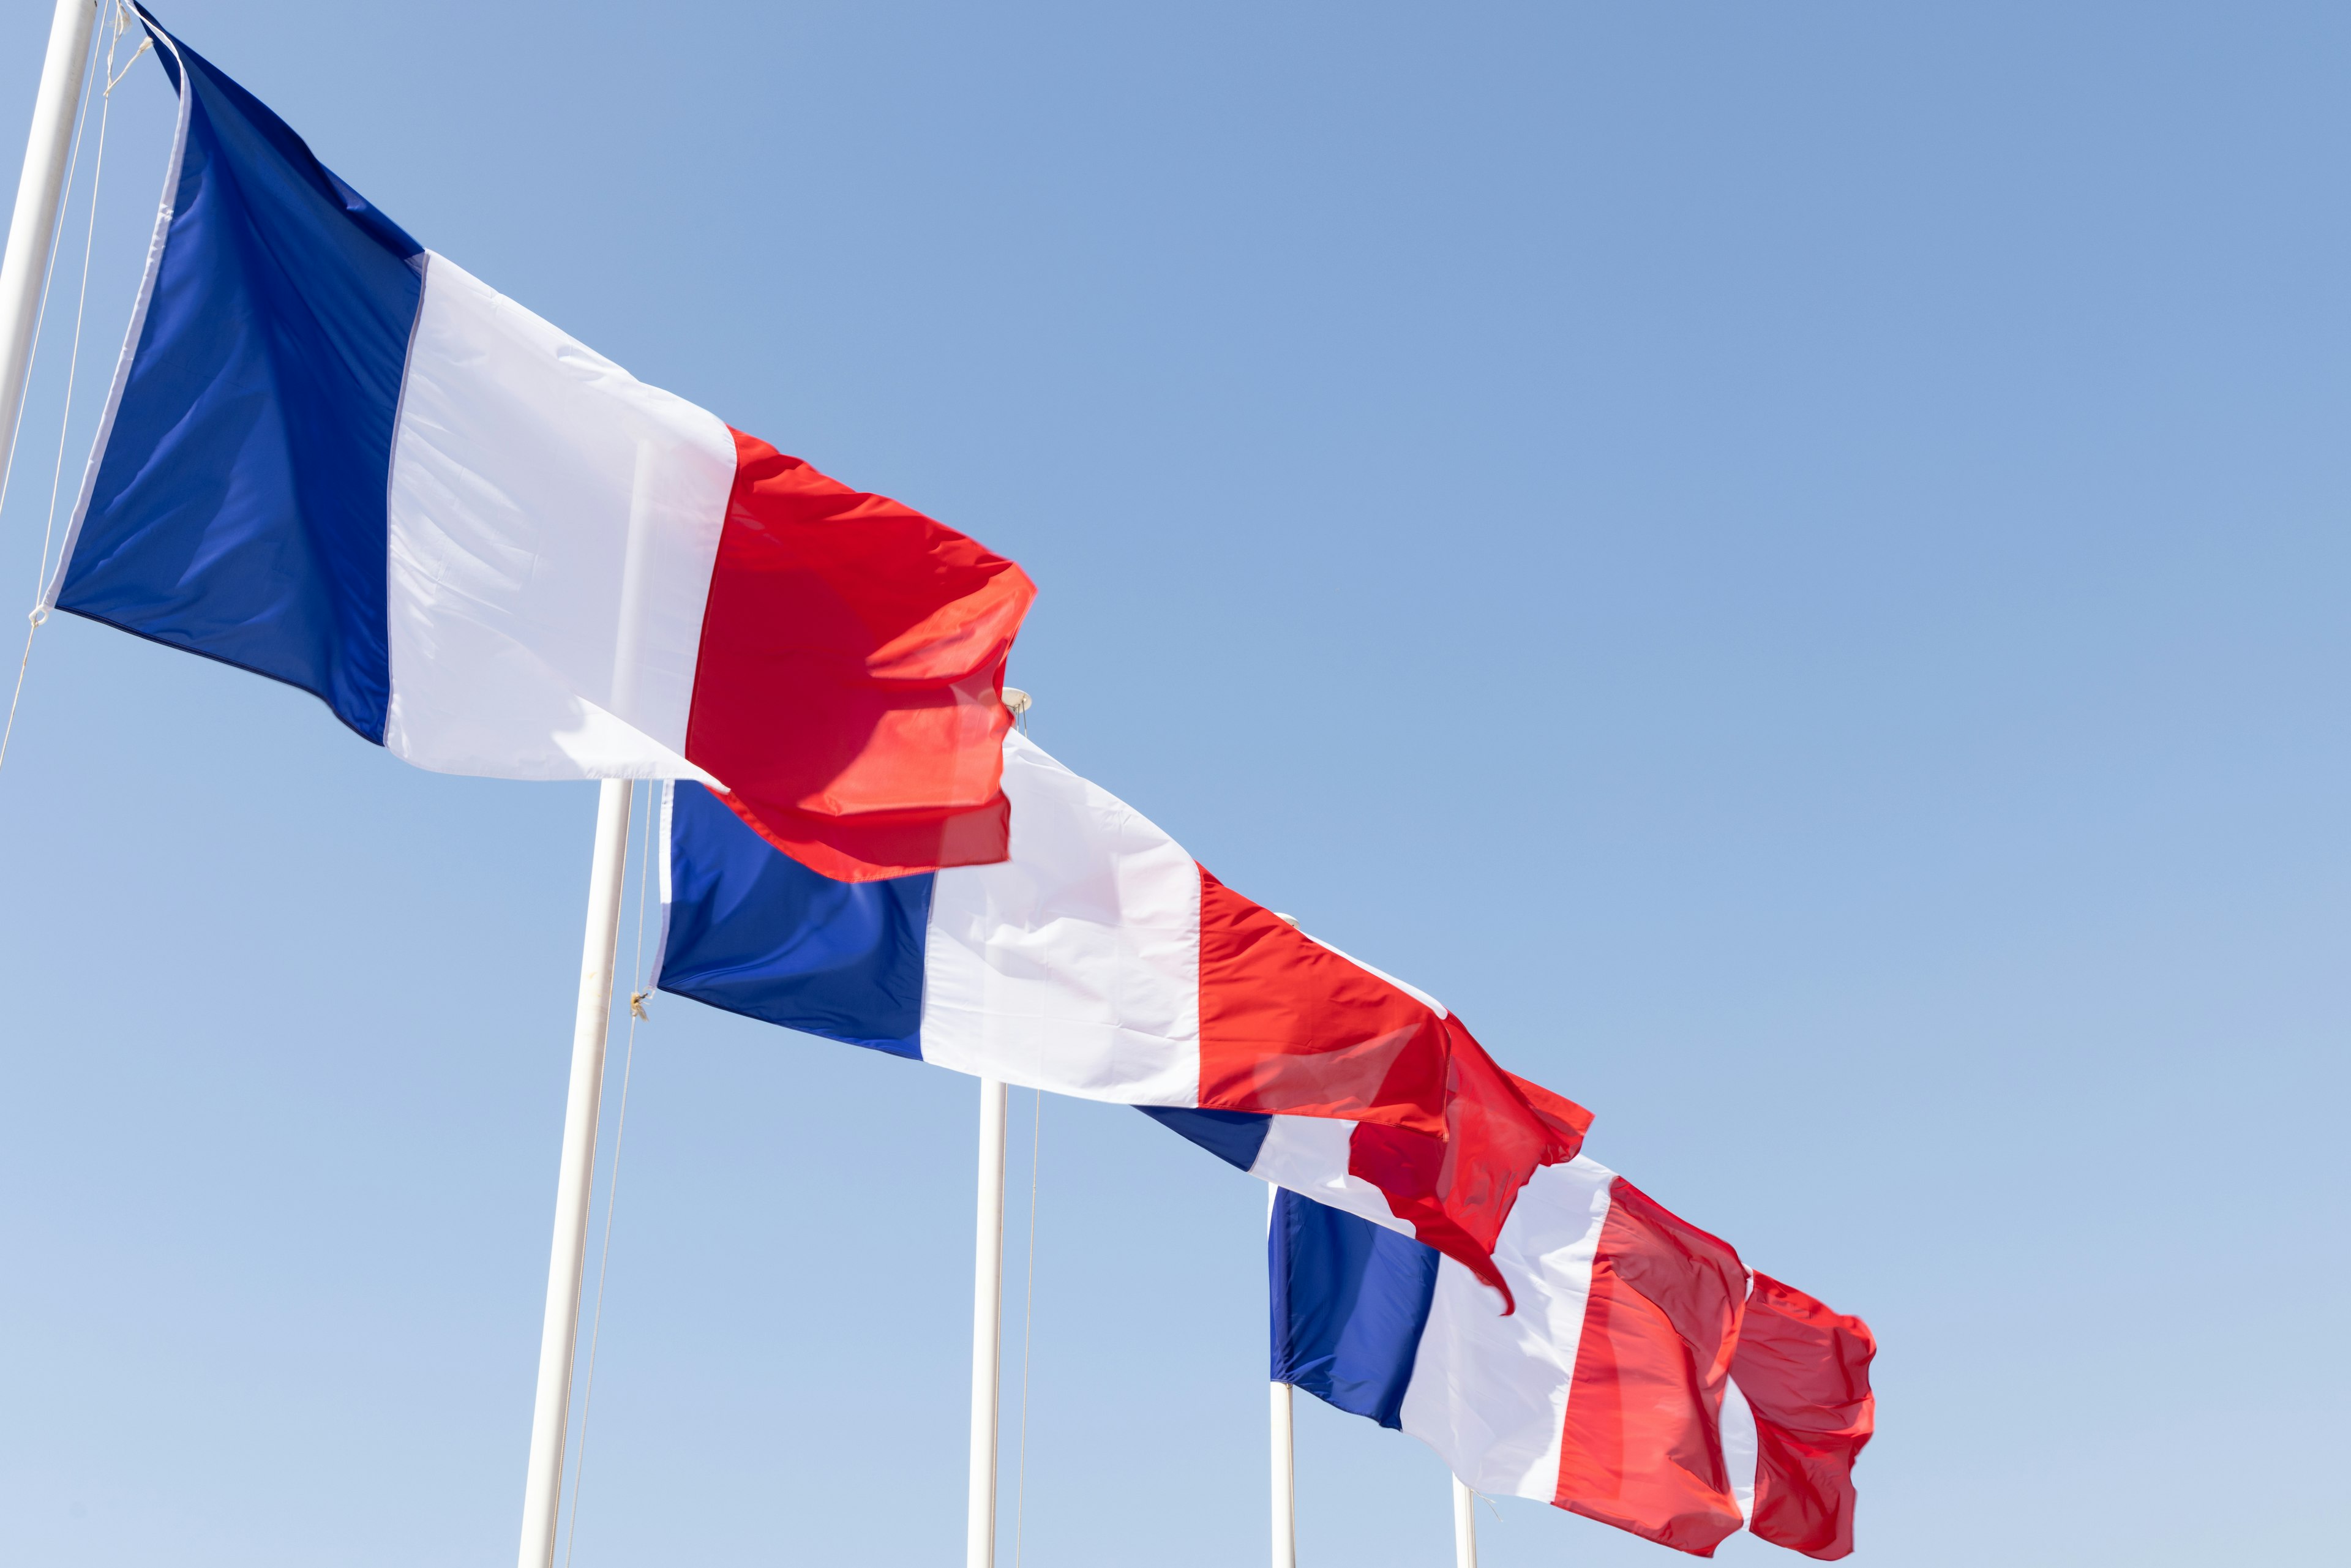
<point x="1647" y="1380"/>
<point x="1452" y="1193"/>
<point x="1803" y="1370"/>
<point x="1100" y="961"/>
<point x="338" y="459"/>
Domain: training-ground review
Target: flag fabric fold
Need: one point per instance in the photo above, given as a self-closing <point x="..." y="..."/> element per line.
<point x="1646" y="1381"/>
<point x="336" y="458"/>
<point x="1452" y="1192"/>
<point x="1100" y="961"/>
<point x="1803" y="1370"/>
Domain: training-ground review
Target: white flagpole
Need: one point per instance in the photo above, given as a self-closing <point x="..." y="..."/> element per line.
<point x="24" y="267"/>
<point x="542" y="1496"/>
<point x="1284" y="1451"/>
<point x="1285" y="1486"/>
<point x="1464" y="1525"/>
<point x="987" y="1327"/>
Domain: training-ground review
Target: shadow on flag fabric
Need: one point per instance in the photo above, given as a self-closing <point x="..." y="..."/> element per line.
<point x="1648" y="1380"/>
<point x="1100" y="961"/>
<point x="335" y="458"/>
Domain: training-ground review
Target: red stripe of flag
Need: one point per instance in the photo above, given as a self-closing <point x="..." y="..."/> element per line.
<point x="1805" y="1372"/>
<point x="1642" y="1447"/>
<point x="849" y="691"/>
<point x="1288" y="1026"/>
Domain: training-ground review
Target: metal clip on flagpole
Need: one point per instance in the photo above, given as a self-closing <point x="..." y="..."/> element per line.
<point x="987" y="1327"/>
<point x="1284" y="1446"/>
<point x="1464" y="1525"/>
<point x="542" y="1496"/>
<point x="25" y="266"/>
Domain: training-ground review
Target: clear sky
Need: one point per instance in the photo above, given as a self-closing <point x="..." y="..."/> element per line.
<point x="1787" y="562"/>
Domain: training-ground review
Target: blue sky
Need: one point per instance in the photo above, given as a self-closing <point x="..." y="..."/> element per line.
<point x="1788" y="562"/>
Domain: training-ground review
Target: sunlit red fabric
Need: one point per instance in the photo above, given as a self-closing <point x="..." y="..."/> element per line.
<point x="1289" y="1027"/>
<point x="1643" y="1445"/>
<point x="883" y="636"/>
<point x="1458" y="1193"/>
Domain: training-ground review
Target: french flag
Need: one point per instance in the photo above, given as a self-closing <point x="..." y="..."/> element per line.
<point x="1648" y="1380"/>
<point x="1100" y="961"/>
<point x="338" y="459"/>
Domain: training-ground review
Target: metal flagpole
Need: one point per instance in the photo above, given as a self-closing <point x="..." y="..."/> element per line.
<point x="39" y="189"/>
<point x="542" y="1495"/>
<point x="1285" y="1448"/>
<point x="1464" y="1525"/>
<point x="987" y="1327"/>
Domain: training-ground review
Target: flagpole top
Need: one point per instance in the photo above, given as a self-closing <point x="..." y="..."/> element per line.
<point x="1015" y="701"/>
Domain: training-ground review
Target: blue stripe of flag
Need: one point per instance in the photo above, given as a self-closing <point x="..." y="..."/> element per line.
<point x="1350" y="1302"/>
<point x="755" y="932"/>
<point x="238" y="507"/>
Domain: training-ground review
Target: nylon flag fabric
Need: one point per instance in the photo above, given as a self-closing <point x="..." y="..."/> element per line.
<point x="338" y="459"/>
<point x="1647" y="1381"/>
<point x="1102" y="961"/>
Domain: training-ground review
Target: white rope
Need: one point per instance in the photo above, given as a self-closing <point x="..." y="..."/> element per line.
<point x="40" y="319"/>
<point x="113" y="79"/>
<point x="613" y="1182"/>
<point x="1028" y="1320"/>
